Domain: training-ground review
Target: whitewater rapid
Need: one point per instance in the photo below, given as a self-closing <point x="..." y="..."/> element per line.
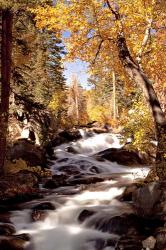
<point x="62" y="230"/>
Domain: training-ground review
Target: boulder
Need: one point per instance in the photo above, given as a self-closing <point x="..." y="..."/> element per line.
<point x="129" y="243"/>
<point x="63" y="137"/>
<point x="122" y="224"/>
<point x="128" y="192"/>
<point x="27" y="151"/>
<point x="45" y="205"/>
<point x="39" y="215"/>
<point x="85" y="214"/>
<point x="56" y="181"/>
<point x="50" y="184"/>
<point x="40" y="210"/>
<point x="15" y="242"/>
<point x="20" y="184"/>
<point x="85" y="180"/>
<point x="121" y="156"/>
<point x="69" y="170"/>
<point x="151" y="200"/>
<point x="7" y="229"/>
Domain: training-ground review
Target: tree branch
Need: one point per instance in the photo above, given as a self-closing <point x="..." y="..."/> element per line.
<point x="145" y="41"/>
<point x="114" y="12"/>
<point x="98" y="51"/>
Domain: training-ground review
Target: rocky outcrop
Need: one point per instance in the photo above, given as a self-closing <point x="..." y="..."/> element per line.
<point x="15" y="242"/>
<point x="15" y="187"/>
<point x="28" y="151"/>
<point x="62" y="137"/>
<point x="121" y="156"/>
<point x="150" y="200"/>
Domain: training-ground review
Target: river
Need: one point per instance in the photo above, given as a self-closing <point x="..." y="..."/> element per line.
<point x="77" y="221"/>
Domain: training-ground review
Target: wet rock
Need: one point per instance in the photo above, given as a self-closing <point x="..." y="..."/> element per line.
<point x="145" y="198"/>
<point x="128" y="192"/>
<point x="121" y="156"/>
<point x="94" y="169"/>
<point x="70" y="170"/>
<point x="160" y="238"/>
<point x="71" y="150"/>
<point x="86" y="180"/>
<point x="99" y="244"/>
<point x="129" y="243"/>
<point x="40" y="211"/>
<point x="71" y="135"/>
<point x="50" y="184"/>
<point x="60" y="179"/>
<point x="39" y="215"/>
<point x="7" y="229"/>
<point x="85" y="214"/>
<point x="45" y="206"/>
<point x="27" y="151"/>
<point x="124" y="224"/>
<point x="15" y="242"/>
<point x="63" y="137"/>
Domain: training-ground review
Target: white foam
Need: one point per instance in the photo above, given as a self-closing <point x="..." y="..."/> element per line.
<point x="61" y="229"/>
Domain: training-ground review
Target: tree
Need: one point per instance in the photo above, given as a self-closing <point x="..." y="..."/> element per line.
<point x="76" y="102"/>
<point x="6" y="50"/>
<point x="120" y="31"/>
<point x="7" y="13"/>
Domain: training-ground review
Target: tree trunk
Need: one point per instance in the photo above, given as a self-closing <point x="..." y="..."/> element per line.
<point x="6" y="49"/>
<point x="140" y="78"/>
<point x="114" y="95"/>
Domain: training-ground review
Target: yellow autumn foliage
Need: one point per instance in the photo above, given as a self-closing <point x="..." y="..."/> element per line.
<point x="138" y="124"/>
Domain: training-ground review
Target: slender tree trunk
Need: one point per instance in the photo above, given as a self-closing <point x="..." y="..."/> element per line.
<point x="139" y="77"/>
<point x="6" y="49"/>
<point x="114" y="95"/>
<point x="77" y="109"/>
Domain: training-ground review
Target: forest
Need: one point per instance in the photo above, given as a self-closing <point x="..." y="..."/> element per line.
<point x="83" y="161"/>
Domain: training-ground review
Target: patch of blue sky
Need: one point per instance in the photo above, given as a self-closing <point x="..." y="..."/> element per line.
<point x="79" y="69"/>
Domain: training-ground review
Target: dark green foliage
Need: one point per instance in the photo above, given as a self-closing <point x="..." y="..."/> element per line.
<point x="37" y="70"/>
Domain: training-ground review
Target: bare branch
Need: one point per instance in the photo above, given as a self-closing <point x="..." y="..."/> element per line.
<point x="98" y="51"/>
<point x="114" y="12"/>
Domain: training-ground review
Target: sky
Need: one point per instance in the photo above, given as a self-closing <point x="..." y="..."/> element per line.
<point x="78" y="68"/>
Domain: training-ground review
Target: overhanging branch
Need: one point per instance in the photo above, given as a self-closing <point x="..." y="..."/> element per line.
<point x="114" y="12"/>
<point x="98" y="51"/>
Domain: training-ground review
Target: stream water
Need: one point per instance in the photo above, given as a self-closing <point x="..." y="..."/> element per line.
<point x="62" y="230"/>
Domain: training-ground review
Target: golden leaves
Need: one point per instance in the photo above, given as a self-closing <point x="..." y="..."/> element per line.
<point x="91" y="22"/>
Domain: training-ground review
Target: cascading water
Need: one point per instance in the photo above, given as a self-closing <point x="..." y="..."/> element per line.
<point x="63" y="229"/>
